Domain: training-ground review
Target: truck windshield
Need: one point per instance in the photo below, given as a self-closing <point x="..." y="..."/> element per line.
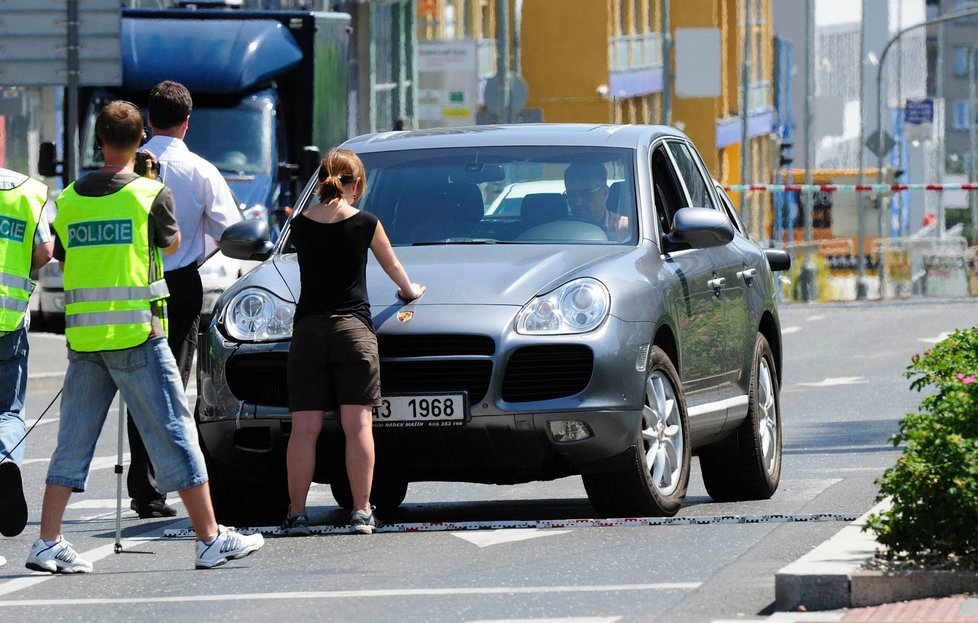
<point x="237" y="140"/>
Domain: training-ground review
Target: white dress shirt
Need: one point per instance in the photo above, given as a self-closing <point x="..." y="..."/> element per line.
<point x="203" y="201"/>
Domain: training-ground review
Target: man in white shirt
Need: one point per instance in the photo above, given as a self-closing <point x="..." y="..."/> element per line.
<point x="204" y="207"/>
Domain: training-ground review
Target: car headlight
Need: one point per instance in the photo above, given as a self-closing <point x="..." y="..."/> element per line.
<point x="575" y="307"/>
<point x="257" y="315"/>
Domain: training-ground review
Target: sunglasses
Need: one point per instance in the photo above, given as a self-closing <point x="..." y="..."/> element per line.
<point x="582" y="194"/>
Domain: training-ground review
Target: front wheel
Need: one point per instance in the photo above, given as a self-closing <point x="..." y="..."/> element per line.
<point x="385" y="493"/>
<point x="655" y="484"/>
<point x="753" y="470"/>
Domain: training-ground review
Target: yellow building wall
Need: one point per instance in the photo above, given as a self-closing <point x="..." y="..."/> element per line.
<point x="697" y="116"/>
<point x="565" y="59"/>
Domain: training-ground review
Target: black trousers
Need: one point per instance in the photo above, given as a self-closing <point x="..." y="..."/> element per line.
<point x="183" y="312"/>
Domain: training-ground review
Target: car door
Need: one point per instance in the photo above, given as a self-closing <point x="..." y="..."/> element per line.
<point x="746" y="300"/>
<point x="729" y="265"/>
<point x="693" y="301"/>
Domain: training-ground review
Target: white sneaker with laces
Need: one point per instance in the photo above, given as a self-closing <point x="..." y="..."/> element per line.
<point x="58" y="558"/>
<point x="229" y="545"/>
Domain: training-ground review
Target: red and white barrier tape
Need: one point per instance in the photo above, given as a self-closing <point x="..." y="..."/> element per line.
<point x="460" y="526"/>
<point x="858" y="188"/>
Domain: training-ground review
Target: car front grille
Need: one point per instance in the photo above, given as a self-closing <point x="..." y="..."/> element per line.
<point x="547" y="372"/>
<point x="259" y="378"/>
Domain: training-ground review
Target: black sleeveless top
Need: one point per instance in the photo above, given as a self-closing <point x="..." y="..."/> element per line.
<point x="333" y="265"/>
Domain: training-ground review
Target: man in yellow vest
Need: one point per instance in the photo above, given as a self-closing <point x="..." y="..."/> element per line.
<point x="109" y="230"/>
<point x="25" y="245"/>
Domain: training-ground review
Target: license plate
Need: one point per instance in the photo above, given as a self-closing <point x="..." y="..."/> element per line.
<point x="426" y="410"/>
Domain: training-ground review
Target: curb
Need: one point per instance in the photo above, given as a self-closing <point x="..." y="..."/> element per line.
<point x="831" y="576"/>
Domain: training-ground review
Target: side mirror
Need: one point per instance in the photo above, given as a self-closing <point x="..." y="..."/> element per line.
<point x="778" y="259"/>
<point x="698" y="228"/>
<point x="247" y="240"/>
<point x="308" y="162"/>
<point x="47" y="160"/>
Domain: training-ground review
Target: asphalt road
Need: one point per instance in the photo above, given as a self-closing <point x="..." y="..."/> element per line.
<point x="844" y="393"/>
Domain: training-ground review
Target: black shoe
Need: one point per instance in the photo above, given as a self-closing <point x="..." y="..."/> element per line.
<point x="153" y="508"/>
<point x="13" y="506"/>
<point x="296" y="525"/>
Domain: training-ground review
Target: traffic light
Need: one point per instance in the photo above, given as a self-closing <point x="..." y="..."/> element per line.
<point x="786" y="154"/>
<point x="779" y="154"/>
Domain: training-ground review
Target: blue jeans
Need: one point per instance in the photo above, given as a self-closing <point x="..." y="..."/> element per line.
<point x="150" y="383"/>
<point x="13" y="387"/>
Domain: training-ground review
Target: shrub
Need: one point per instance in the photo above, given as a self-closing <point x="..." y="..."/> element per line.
<point x="934" y="485"/>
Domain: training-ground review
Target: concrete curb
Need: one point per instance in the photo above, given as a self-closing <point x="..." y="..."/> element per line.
<point x="831" y="576"/>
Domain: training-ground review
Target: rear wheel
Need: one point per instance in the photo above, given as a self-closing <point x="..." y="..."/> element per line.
<point x="655" y="484"/>
<point x="752" y="470"/>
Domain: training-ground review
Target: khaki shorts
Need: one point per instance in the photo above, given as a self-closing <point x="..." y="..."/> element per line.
<point x="333" y="360"/>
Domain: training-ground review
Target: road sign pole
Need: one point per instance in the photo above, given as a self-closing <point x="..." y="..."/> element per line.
<point x="71" y="149"/>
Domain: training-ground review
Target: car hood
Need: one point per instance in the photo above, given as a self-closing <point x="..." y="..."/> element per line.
<point x="463" y="274"/>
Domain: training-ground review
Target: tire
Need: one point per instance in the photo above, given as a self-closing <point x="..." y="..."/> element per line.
<point x="752" y="471"/>
<point x="655" y="484"/>
<point x="385" y="493"/>
<point x="244" y="502"/>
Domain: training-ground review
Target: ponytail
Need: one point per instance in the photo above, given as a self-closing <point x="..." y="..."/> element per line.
<point x="338" y="168"/>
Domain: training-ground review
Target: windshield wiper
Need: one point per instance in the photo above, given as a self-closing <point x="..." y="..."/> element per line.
<point x="457" y="241"/>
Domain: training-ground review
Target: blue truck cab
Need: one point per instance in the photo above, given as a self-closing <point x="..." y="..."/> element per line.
<point x="270" y="91"/>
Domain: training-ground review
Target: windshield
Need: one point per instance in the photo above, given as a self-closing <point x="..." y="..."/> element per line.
<point x="234" y="139"/>
<point x="521" y="194"/>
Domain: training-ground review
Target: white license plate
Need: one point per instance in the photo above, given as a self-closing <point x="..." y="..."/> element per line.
<point x="430" y="410"/>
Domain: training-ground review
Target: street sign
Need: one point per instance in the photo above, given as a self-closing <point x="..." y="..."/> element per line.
<point x="448" y="86"/>
<point x="919" y="111"/>
<point x="919" y="118"/>
<point x="518" y="94"/>
<point x="873" y="143"/>
<point x="34" y="42"/>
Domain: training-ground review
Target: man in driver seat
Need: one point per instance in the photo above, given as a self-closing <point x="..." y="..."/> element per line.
<point x="586" y="191"/>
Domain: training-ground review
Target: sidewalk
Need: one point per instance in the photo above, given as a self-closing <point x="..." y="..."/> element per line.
<point x="829" y="584"/>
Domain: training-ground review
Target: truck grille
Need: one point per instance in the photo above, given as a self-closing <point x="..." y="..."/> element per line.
<point x="547" y="372"/>
<point x="259" y="378"/>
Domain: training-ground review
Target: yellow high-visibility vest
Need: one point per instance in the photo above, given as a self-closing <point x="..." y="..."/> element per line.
<point x="20" y="211"/>
<point x="113" y="272"/>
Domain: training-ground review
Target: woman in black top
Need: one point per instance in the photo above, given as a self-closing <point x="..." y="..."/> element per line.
<point x="333" y="359"/>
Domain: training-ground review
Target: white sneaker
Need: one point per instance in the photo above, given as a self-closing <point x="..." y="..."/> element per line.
<point x="58" y="558"/>
<point x="229" y="545"/>
<point x="3" y="561"/>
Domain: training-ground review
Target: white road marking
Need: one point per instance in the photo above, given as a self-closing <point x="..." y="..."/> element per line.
<point x="571" y="620"/>
<point x="815" y="317"/>
<point x="935" y="340"/>
<point x="360" y="594"/>
<point x="495" y="537"/>
<point x="789" y="330"/>
<point x="838" y="380"/>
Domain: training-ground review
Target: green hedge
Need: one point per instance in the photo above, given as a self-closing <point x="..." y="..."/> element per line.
<point x="933" y="487"/>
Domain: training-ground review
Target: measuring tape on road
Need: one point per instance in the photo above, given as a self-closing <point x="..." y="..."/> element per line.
<point x="858" y="188"/>
<point x="547" y="524"/>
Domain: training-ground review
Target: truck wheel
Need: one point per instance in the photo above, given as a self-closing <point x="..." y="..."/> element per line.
<point x="655" y="484"/>
<point x="385" y="493"/>
<point x="752" y="471"/>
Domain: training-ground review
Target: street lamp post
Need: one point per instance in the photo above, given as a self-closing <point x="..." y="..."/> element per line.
<point x="972" y="136"/>
<point x="879" y="115"/>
